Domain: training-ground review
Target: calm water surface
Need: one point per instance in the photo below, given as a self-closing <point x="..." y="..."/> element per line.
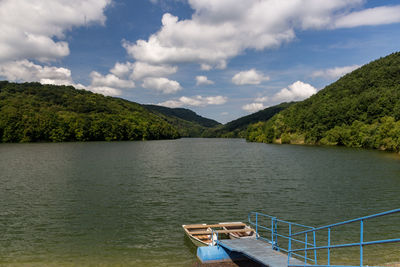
<point x="123" y="203"/>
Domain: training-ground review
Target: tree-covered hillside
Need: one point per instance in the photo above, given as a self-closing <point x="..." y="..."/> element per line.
<point x="237" y="128"/>
<point x="187" y="122"/>
<point x="32" y="112"/>
<point x="362" y="109"/>
<point x="184" y="114"/>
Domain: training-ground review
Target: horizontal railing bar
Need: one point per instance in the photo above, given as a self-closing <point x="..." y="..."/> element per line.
<point x="263" y="227"/>
<point x="292" y="223"/>
<point x="347" y="222"/>
<point x="287" y="237"/>
<point x="279" y="220"/>
<point x="382" y="241"/>
<point x="262" y="214"/>
<point x="350" y="244"/>
<point x="301" y="256"/>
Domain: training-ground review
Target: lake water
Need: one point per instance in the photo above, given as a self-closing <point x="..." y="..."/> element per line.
<point x="123" y="203"/>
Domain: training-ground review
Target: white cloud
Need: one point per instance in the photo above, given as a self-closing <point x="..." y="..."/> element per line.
<point x="28" y="27"/>
<point x="203" y="80"/>
<point x="24" y="70"/>
<point x="262" y="99"/>
<point x="109" y="80"/>
<point x="122" y="69"/>
<point x="295" y="92"/>
<point x="253" y="107"/>
<point x="249" y="77"/>
<point x="205" y="67"/>
<point x="196" y="101"/>
<point x="368" y="17"/>
<point x="334" y="73"/>
<point x="105" y="90"/>
<point x="171" y="104"/>
<point x="142" y="70"/>
<point x="163" y="85"/>
<point x="35" y="30"/>
<point x="139" y="70"/>
<point x="221" y="30"/>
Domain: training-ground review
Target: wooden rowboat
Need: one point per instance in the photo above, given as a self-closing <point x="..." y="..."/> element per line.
<point x="208" y="234"/>
<point x="199" y="234"/>
<point x="243" y="230"/>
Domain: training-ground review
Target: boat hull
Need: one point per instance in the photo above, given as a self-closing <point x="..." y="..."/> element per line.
<point x="205" y="240"/>
<point x="250" y="234"/>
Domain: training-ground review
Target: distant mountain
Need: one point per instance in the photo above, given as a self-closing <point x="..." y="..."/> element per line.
<point x="32" y="112"/>
<point x="184" y="114"/>
<point x="238" y="127"/>
<point x="362" y="109"/>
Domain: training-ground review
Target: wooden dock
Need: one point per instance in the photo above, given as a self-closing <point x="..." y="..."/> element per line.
<point x="258" y="251"/>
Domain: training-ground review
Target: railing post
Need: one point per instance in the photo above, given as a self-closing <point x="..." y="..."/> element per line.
<point x="329" y="246"/>
<point x="276" y="235"/>
<point x="256" y="225"/>
<point x="305" y="251"/>
<point x="272" y="232"/>
<point x="315" y="251"/>
<point x="290" y="244"/>
<point x="361" y="241"/>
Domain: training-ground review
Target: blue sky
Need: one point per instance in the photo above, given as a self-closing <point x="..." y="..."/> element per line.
<point x="223" y="59"/>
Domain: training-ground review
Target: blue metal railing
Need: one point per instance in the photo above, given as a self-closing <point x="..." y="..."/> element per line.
<point x="360" y="244"/>
<point x="293" y="238"/>
<point x="254" y="219"/>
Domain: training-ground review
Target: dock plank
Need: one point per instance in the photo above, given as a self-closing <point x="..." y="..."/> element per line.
<point x="259" y="251"/>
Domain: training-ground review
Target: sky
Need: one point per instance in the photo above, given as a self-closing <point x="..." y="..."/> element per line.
<point x="222" y="59"/>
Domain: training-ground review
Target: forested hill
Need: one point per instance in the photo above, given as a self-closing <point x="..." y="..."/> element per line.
<point x="237" y="128"/>
<point x="184" y="114"/>
<point x="362" y="109"/>
<point x="32" y="112"/>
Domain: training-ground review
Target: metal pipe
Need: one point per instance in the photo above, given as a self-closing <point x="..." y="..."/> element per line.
<point x="361" y="241"/>
<point x="350" y="221"/>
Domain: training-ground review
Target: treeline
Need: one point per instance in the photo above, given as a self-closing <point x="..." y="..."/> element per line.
<point x="32" y="112"/>
<point x="187" y="122"/>
<point x="362" y="109"/>
<point x="237" y="128"/>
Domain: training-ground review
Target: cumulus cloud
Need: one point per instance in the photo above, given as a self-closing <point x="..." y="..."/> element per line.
<point x="295" y="92"/>
<point x="109" y="80"/>
<point x="253" y="107"/>
<point x="35" y="29"/>
<point x="371" y="16"/>
<point x="139" y="70"/>
<point x="122" y="69"/>
<point x="105" y="90"/>
<point x="203" y="80"/>
<point x="27" y="71"/>
<point x="220" y="30"/>
<point x="334" y="73"/>
<point x="142" y="70"/>
<point x="262" y="99"/>
<point x="24" y="70"/>
<point x="196" y="101"/>
<point x="162" y="84"/>
<point x="249" y="77"/>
